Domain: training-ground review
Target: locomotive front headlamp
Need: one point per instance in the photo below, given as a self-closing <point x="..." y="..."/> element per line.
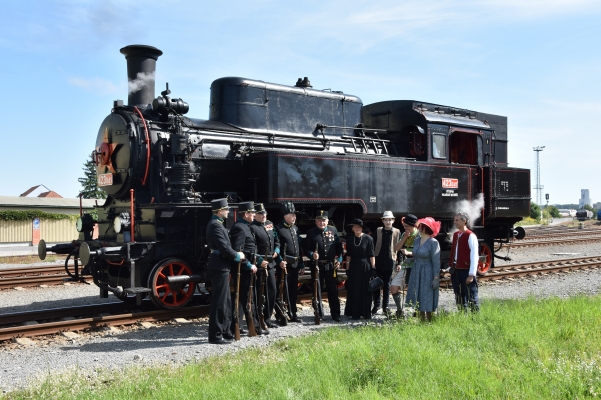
<point x="121" y="222"/>
<point x="85" y="223"/>
<point x="117" y="225"/>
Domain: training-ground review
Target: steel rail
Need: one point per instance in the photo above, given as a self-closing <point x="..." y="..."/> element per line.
<point x="535" y="268"/>
<point x="30" y="281"/>
<point x="27" y="271"/>
<point x="562" y="241"/>
<point x="80" y="324"/>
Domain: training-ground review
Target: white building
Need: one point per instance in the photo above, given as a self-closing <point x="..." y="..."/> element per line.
<point x="584" y="199"/>
<point x="566" y="212"/>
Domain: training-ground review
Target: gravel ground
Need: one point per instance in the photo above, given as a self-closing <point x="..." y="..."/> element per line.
<point x="180" y="343"/>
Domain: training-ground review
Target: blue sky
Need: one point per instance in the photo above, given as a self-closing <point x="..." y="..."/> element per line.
<point x="536" y="62"/>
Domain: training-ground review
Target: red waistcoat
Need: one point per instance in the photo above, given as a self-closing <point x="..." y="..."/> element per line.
<point x="463" y="256"/>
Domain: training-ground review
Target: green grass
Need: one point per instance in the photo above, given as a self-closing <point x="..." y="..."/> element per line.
<point x="529" y="221"/>
<point x="511" y="350"/>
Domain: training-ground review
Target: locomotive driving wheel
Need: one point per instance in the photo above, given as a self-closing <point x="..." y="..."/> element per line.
<point x="170" y="296"/>
<point x="485" y="261"/>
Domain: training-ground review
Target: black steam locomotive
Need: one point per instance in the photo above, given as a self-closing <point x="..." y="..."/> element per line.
<point x="274" y="143"/>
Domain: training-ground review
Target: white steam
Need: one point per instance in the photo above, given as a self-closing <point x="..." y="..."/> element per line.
<point x="142" y="79"/>
<point x="472" y="208"/>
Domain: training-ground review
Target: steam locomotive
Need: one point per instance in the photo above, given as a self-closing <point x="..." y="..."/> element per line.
<point x="270" y="143"/>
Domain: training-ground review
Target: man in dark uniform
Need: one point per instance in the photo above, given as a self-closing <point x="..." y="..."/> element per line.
<point x="328" y="257"/>
<point x="289" y="237"/>
<point x="243" y="238"/>
<point x="268" y="248"/>
<point x="221" y="257"/>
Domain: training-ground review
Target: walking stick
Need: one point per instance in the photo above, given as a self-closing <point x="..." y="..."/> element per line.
<point x="281" y="306"/>
<point x="262" y="299"/>
<point x="316" y="290"/>
<point x="236" y="310"/>
<point x="250" y="319"/>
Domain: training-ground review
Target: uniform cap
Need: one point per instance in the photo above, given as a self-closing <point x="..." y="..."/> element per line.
<point x="321" y="214"/>
<point x="260" y="207"/>
<point x="288" y="208"/>
<point x="219" y="204"/>
<point x="247" y="206"/>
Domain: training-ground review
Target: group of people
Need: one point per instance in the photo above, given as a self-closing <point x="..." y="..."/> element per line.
<point x="268" y="258"/>
<point x="420" y="268"/>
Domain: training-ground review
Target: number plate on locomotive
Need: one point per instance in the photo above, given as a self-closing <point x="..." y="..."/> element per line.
<point x="450" y="183"/>
<point x="105" y="179"/>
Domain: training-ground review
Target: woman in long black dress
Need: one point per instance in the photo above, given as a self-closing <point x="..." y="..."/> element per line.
<point x="360" y="261"/>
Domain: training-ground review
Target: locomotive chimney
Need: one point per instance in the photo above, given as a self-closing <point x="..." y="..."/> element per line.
<point x="141" y="67"/>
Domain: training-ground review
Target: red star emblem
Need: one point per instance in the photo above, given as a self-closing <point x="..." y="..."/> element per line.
<point x="105" y="151"/>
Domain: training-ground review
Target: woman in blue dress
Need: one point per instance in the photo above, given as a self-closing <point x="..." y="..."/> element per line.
<point x="424" y="282"/>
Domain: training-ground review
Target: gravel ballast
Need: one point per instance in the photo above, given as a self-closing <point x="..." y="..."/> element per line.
<point x="180" y="343"/>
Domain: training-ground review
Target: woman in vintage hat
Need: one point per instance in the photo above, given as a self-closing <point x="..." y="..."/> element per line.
<point x="403" y="271"/>
<point x="424" y="282"/>
<point x="360" y="263"/>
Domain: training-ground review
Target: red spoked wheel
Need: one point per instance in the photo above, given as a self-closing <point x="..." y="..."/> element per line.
<point x="173" y="296"/>
<point x="485" y="261"/>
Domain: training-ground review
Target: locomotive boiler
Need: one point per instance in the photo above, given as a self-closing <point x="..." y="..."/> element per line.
<point x="271" y="143"/>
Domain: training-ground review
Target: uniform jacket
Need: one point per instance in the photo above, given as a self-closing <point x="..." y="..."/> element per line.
<point x="329" y="245"/>
<point x="267" y="241"/>
<point x="243" y="238"/>
<point x="218" y="239"/>
<point x="289" y="236"/>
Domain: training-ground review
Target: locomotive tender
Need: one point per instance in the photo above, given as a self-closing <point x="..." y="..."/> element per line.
<point x="274" y="143"/>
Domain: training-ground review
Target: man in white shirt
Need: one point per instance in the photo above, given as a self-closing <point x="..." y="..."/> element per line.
<point x="464" y="263"/>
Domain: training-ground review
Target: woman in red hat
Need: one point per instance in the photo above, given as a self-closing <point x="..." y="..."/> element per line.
<point x="424" y="282"/>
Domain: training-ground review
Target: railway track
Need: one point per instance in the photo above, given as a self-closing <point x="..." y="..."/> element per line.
<point x="535" y="268"/>
<point x="562" y="240"/>
<point x="549" y="235"/>
<point x="55" y="321"/>
<point x="33" y="276"/>
<point x="50" y="322"/>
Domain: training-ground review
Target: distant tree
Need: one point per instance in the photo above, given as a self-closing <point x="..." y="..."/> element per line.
<point x="553" y="212"/>
<point x="587" y="207"/>
<point x="568" y="206"/>
<point x="89" y="182"/>
<point x="534" y="211"/>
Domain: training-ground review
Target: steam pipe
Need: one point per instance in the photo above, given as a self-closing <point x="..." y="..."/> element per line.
<point x="133" y="217"/>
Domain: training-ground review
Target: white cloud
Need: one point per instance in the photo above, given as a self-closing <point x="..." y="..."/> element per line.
<point x="95" y="85"/>
<point x="371" y="23"/>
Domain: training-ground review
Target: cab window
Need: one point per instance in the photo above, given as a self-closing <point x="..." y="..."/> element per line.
<point x="439" y="146"/>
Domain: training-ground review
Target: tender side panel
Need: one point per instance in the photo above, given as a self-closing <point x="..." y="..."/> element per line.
<point x="510" y="192"/>
<point x="377" y="185"/>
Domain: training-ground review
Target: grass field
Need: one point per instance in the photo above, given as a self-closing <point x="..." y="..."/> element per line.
<point x="547" y="349"/>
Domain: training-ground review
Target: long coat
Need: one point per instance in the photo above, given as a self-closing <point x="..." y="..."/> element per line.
<point x="426" y="266"/>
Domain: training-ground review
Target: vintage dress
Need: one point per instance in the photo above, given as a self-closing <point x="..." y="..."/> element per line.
<point x="358" y="301"/>
<point x="426" y="266"/>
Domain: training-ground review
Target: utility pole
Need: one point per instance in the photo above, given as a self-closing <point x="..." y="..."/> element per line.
<point x="547" y="207"/>
<point x="539" y="188"/>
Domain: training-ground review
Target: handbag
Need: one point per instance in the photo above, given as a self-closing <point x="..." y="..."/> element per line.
<point x="375" y="284"/>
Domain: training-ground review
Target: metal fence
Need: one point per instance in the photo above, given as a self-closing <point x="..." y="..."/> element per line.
<point x="52" y="231"/>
